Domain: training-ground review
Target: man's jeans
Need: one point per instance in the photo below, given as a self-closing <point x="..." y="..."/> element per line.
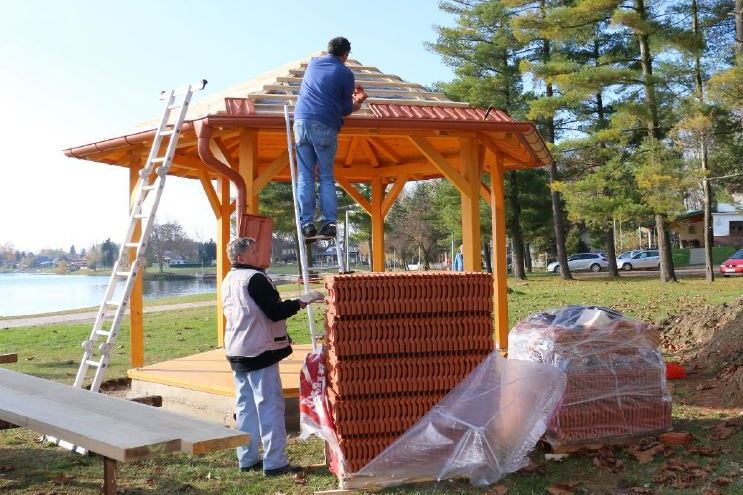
<point x="260" y="412"/>
<point x="316" y="147"/>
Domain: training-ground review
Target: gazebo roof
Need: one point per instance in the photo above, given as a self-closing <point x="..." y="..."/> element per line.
<point x="394" y="134"/>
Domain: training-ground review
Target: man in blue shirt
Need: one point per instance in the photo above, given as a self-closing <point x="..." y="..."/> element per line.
<point x="328" y="93"/>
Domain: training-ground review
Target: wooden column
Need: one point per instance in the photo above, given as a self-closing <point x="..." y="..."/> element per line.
<point x="470" y="199"/>
<point x="248" y="168"/>
<point x="223" y="237"/>
<point x="136" y="320"/>
<point x="377" y="228"/>
<point x="500" y="274"/>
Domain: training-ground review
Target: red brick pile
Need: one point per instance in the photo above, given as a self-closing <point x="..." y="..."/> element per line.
<point x="395" y="345"/>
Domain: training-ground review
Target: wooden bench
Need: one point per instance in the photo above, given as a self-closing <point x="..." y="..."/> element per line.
<point x="116" y="429"/>
<point x="8" y="358"/>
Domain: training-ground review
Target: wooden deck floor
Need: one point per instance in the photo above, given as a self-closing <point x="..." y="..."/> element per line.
<point x="209" y="372"/>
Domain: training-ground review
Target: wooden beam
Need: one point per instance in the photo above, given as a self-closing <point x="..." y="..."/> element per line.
<point x="433" y="155"/>
<point x="248" y="168"/>
<point x="470" y="201"/>
<point x="351" y="153"/>
<point x="221" y="149"/>
<point x="369" y="152"/>
<point x="355" y="194"/>
<point x="223" y="264"/>
<point x="528" y="147"/>
<point x="273" y="168"/>
<point x="377" y="227"/>
<point x="211" y="194"/>
<point x="495" y="147"/>
<point x="500" y="273"/>
<point x="136" y="317"/>
<point x="485" y="193"/>
<point x="385" y="149"/>
<point x="391" y="196"/>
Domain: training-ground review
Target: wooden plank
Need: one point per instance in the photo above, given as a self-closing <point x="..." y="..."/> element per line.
<point x="433" y="155"/>
<point x="136" y="317"/>
<point x="496" y="147"/>
<point x="354" y="193"/>
<point x="113" y="427"/>
<point x="500" y="273"/>
<point x="390" y="84"/>
<point x="385" y="149"/>
<point x="369" y="152"/>
<point x="470" y="203"/>
<point x="273" y="168"/>
<point x="8" y="358"/>
<point x="211" y="194"/>
<point x="351" y="153"/>
<point x="392" y="194"/>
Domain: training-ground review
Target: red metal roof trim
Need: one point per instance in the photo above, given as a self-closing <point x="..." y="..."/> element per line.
<point x="393" y="111"/>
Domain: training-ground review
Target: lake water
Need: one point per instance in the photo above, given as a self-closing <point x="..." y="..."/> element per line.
<point x="27" y="293"/>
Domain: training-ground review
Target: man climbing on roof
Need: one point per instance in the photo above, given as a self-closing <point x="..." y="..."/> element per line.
<point x="328" y="93"/>
<point x="255" y="340"/>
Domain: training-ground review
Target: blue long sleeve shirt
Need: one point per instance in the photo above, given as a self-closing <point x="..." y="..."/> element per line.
<point x="326" y="92"/>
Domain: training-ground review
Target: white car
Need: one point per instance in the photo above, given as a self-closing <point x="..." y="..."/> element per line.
<point x="639" y="260"/>
<point x="582" y="261"/>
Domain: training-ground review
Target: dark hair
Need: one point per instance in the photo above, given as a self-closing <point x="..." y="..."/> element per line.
<point x="339" y="46"/>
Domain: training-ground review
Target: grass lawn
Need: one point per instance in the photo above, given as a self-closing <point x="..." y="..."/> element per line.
<point x="27" y="467"/>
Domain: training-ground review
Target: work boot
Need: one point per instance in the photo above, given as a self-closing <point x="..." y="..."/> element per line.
<point x="288" y="469"/>
<point x="309" y="230"/>
<point x="328" y="230"/>
<point x="258" y="466"/>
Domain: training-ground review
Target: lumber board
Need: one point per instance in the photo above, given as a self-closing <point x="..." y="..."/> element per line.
<point x="109" y="426"/>
<point x="8" y="358"/>
<point x="381" y="84"/>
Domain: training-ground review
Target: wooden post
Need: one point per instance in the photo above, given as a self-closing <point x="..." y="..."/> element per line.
<point x="136" y="319"/>
<point x="8" y="358"/>
<point x="500" y="274"/>
<point x="377" y="229"/>
<point x="223" y="237"/>
<point x="248" y="168"/>
<point x="470" y="200"/>
<point x="109" y="476"/>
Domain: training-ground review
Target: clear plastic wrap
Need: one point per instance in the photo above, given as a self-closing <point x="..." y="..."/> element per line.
<point x="482" y="429"/>
<point x="616" y="380"/>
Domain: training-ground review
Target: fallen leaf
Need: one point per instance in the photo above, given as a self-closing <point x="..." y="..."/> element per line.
<point x="299" y="480"/>
<point x="723" y="480"/>
<point x="704" y="450"/>
<point x="721" y="431"/>
<point x="562" y="489"/>
<point x="149" y="482"/>
<point x="497" y="490"/>
<point x="645" y="456"/>
<point x="62" y="479"/>
<point x="641" y="490"/>
<point x="676" y="438"/>
<point x="705" y="386"/>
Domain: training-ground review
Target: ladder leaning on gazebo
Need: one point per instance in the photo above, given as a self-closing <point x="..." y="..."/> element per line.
<point x="146" y="200"/>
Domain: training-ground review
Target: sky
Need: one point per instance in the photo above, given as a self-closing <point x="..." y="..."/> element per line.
<point x="77" y="71"/>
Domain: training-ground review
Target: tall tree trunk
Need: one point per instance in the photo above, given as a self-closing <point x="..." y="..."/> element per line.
<point x="708" y="232"/>
<point x="517" y="240"/>
<point x="611" y="253"/>
<point x="557" y="210"/>
<point x="488" y="256"/>
<point x="667" y="273"/>
<point x="527" y="258"/>
<point x="739" y="27"/>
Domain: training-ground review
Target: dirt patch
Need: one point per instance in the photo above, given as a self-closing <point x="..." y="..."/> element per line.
<point x="709" y="341"/>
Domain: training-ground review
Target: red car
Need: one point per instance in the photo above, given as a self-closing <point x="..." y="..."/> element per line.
<point x="734" y="265"/>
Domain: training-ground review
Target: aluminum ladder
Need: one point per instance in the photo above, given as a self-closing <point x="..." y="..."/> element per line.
<point x="302" y="240"/>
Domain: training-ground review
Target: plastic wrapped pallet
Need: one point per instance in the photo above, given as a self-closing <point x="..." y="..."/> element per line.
<point x="616" y="386"/>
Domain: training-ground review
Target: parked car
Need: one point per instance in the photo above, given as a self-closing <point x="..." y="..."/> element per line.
<point x="582" y="261"/>
<point x="639" y="260"/>
<point x="626" y="255"/>
<point x="733" y="265"/>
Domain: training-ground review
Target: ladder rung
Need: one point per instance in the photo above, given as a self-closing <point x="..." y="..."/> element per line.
<point x="104" y="333"/>
<point x="122" y="274"/>
<point x="169" y="132"/>
<point x="90" y="362"/>
<point x="141" y="215"/>
<point x="175" y="106"/>
<point x="159" y="159"/>
<point x="151" y="187"/>
<point x="113" y="303"/>
<point x="131" y="244"/>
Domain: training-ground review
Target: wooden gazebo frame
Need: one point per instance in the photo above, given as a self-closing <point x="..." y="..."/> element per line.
<point x="403" y="133"/>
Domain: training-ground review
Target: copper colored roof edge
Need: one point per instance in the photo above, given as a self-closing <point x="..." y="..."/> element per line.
<point x="277" y="121"/>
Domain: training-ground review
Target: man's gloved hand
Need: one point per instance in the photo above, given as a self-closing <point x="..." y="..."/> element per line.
<point x="310" y="297"/>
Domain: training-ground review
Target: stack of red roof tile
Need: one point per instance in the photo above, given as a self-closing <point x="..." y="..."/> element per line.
<point x="616" y="386"/>
<point x="395" y="345"/>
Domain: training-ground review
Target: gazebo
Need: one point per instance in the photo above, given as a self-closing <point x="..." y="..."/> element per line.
<point x="234" y="142"/>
